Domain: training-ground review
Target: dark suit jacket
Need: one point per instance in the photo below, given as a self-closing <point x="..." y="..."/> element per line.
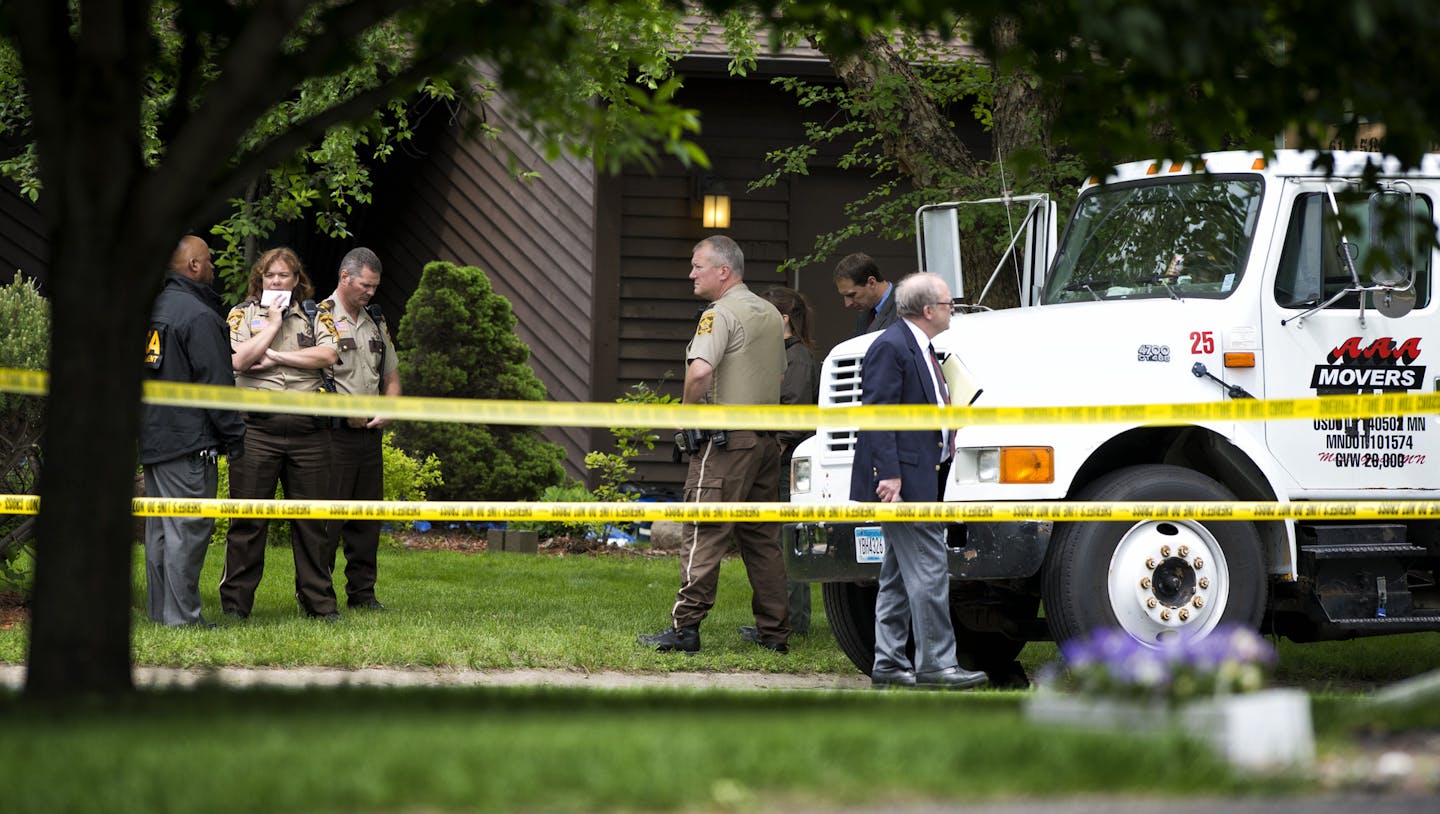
<point x="884" y="318"/>
<point x="894" y="372"/>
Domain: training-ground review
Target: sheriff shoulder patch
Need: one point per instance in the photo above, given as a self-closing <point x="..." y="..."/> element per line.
<point x="707" y="324"/>
<point x="327" y="321"/>
<point x="237" y="316"/>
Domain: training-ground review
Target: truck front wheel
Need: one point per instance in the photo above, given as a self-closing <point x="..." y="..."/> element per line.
<point x="1156" y="578"/>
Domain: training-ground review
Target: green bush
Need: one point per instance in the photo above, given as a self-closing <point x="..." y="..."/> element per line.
<point x="24" y="344"/>
<point x="408" y="478"/>
<point x="405" y="479"/>
<point x="571" y="492"/>
<point x="458" y="340"/>
<point x="614" y="468"/>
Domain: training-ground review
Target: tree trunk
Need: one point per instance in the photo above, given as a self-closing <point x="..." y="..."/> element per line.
<point x="80" y="634"/>
<point x="107" y="245"/>
<point x="919" y="136"/>
<point x="915" y="132"/>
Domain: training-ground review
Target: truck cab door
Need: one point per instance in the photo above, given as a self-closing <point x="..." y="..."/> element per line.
<point x="1334" y="351"/>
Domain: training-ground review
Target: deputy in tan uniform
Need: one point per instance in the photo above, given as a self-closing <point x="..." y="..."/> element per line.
<point x="367" y="367"/>
<point x="736" y="357"/>
<point x="280" y="347"/>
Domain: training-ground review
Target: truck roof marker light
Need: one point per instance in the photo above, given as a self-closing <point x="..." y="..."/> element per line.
<point x="1027" y="464"/>
<point x="1200" y="165"/>
<point x="1153" y="168"/>
<point x="1244" y="359"/>
<point x="1258" y="164"/>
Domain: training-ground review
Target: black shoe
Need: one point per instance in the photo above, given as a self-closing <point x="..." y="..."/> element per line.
<point x="683" y="639"/>
<point x="750" y="633"/>
<point x="892" y="678"/>
<point x="332" y="616"/>
<point x="951" y="678"/>
<point x="237" y="615"/>
<point x="366" y="604"/>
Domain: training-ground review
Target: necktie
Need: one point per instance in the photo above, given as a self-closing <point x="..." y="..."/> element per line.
<point x="939" y="377"/>
<point x="945" y="400"/>
<point x="869" y="318"/>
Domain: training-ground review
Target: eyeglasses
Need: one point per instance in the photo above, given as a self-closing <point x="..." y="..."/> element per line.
<point x="947" y="303"/>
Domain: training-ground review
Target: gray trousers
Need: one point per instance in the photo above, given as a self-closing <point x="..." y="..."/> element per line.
<point x="914" y="596"/>
<point x="175" y="546"/>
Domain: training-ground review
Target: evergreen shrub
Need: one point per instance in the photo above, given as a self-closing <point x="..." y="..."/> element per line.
<point x="25" y="345"/>
<point x="457" y="340"/>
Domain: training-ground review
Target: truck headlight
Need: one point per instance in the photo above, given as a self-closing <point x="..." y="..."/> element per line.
<point x="799" y="475"/>
<point x="1015" y="465"/>
<point x="987" y="466"/>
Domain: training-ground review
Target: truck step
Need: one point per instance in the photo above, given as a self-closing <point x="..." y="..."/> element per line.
<point x="1395" y="624"/>
<point x="1362" y="550"/>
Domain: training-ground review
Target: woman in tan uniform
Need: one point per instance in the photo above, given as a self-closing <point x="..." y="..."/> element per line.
<point x="278" y="346"/>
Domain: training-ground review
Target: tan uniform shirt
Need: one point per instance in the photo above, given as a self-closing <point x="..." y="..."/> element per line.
<point x="366" y="353"/>
<point x="742" y="336"/>
<point x="248" y="318"/>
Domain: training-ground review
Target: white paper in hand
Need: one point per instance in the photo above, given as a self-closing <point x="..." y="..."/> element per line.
<point x="280" y="298"/>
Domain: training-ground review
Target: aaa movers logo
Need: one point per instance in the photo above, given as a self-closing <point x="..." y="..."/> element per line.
<point x="1381" y="365"/>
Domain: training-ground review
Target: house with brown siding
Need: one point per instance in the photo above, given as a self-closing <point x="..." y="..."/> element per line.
<point x="595" y="265"/>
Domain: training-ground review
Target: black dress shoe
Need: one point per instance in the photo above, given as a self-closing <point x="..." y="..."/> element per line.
<point x="366" y="604"/>
<point x="892" y="678"/>
<point x="682" y="639"/>
<point x="237" y="615"/>
<point x="951" y="678"/>
<point x="750" y="633"/>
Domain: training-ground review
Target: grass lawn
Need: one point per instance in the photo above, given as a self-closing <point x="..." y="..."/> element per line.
<point x="494" y="749"/>
<point x="511" y="611"/>
<point x="543" y="749"/>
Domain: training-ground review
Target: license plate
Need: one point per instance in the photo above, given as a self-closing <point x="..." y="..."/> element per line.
<point x="869" y="544"/>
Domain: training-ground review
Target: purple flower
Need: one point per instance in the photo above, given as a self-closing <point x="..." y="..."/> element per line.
<point x="1231" y="658"/>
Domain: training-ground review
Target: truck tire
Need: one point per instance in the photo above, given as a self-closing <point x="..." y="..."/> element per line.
<point x="1155" y="578"/>
<point x="850" y="609"/>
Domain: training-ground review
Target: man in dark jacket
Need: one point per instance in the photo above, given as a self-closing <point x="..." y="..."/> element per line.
<point x="186" y="342"/>
<point x="892" y="466"/>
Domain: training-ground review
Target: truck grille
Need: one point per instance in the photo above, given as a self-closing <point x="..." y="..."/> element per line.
<point x="841" y="388"/>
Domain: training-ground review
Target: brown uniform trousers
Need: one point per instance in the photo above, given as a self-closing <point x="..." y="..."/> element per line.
<point x="359" y="475"/>
<point x="746" y="469"/>
<point x="293" y="451"/>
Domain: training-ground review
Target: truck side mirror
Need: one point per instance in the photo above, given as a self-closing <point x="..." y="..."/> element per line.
<point x="1392" y="239"/>
<point x="939" y="239"/>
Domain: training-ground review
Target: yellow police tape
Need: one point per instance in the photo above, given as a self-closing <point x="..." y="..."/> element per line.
<point x="772" y="417"/>
<point x="464" y="511"/>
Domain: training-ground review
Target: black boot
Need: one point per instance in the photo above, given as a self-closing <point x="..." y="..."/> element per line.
<point x="684" y="639"/>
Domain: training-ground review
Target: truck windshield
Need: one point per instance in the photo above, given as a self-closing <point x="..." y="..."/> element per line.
<point x="1177" y="238"/>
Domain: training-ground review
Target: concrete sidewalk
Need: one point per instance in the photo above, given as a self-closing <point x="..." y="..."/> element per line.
<point x="13" y="676"/>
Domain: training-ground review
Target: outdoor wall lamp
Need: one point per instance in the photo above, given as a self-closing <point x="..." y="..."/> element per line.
<point x="714" y="203"/>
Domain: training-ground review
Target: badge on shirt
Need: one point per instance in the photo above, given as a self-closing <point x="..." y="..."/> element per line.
<point x="707" y="324"/>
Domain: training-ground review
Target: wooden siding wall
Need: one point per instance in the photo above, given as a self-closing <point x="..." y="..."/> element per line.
<point x="455" y="199"/>
<point x="23" y="245"/>
<point x="643" y="295"/>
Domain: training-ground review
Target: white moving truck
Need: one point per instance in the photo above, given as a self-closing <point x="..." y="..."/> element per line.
<point x="1231" y="275"/>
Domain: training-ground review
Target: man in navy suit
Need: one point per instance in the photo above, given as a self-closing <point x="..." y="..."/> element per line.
<point x="863" y="288"/>
<point x="910" y="465"/>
